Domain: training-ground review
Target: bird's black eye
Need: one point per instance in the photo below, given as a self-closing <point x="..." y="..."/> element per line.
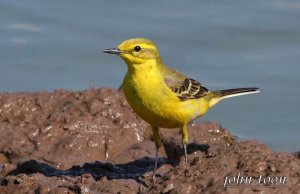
<point x="137" y="48"/>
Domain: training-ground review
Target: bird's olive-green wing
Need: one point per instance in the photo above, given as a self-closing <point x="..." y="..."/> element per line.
<point x="185" y="88"/>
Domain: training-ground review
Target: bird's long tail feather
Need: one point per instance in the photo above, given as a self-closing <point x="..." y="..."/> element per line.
<point x="217" y="95"/>
<point x="236" y="92"/>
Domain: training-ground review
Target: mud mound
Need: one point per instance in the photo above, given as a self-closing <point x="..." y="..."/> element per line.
<point x="91" y="142"/>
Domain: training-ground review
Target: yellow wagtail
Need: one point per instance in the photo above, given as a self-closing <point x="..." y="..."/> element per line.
<point x="162" y="96"/>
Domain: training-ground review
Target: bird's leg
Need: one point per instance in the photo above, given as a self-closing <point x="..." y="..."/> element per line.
<point x="185" y="139"/>
<point x="155" y="166"/>
<point x="185" y="154"/>
<point x="158" y="144"/>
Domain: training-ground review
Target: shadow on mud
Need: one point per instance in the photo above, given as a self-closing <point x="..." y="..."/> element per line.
<point x="131" y="170"/>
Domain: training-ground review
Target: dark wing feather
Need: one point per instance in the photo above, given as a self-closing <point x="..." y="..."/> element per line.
<point x="185" y="88"/>
<point x="188" y="89"/>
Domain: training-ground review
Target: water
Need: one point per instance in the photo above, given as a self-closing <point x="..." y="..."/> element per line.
<point x="46" y="45"/>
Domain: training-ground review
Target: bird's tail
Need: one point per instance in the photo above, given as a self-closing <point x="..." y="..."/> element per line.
<point x="236" y="92"/>
<point x="218" y="95"/>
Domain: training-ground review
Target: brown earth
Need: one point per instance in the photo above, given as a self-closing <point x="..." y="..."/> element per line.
<point x="91" y="142"/>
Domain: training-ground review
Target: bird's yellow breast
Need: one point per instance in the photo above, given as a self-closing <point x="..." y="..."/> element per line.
<point x="153" y="101"/>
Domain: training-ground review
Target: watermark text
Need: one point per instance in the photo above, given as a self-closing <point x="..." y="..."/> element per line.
<point x="249" y="181"/>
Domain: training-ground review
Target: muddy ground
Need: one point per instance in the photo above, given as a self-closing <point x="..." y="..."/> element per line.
<point x="91" y="142"/>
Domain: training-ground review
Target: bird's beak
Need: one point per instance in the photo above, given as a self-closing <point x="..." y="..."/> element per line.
<point x="114" y="51"/>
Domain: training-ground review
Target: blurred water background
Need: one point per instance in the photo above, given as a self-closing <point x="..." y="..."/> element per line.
<point x="47" y="45"/>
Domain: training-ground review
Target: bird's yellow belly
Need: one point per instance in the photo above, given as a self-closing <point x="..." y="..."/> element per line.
<point x="157" y="105"/>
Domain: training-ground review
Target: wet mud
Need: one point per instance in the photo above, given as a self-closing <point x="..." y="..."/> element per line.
<point x="91" y="142"/>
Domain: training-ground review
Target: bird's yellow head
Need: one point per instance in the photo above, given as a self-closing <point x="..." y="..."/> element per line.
<point x="136" y="51"/>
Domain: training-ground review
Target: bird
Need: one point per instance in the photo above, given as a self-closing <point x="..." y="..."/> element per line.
<point x="162" y="96"/>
